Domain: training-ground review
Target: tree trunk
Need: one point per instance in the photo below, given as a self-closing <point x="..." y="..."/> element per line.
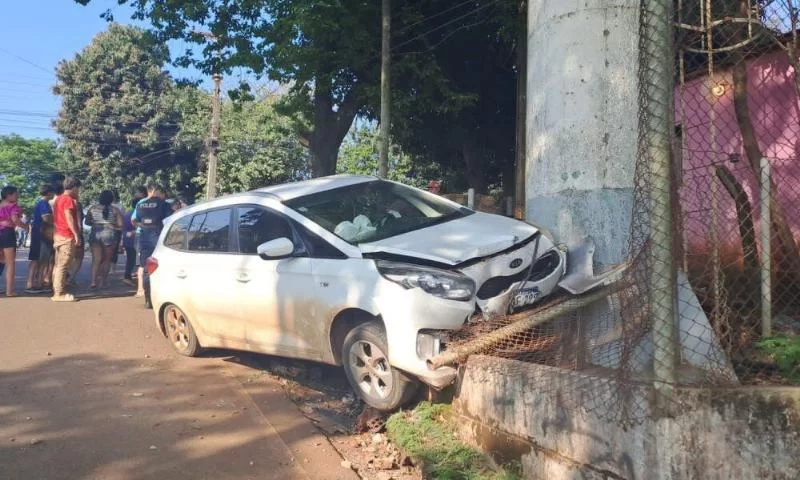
<point x="473" y="163"/>
<point x="330" y="128"/>
<point x="744" y="216"/>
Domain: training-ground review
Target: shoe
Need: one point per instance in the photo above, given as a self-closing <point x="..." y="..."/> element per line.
<point x="128" y="281"/>
<point x="34" y="291"/>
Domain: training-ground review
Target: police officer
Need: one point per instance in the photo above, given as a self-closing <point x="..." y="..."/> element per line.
<point x="148" y="218"/>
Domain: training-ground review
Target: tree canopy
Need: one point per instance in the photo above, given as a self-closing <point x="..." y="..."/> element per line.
<point x="453" y="70"/>
<point x="27" y="163"/>
<point x="120" y="113"/>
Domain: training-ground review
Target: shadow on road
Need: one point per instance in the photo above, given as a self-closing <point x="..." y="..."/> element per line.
<point x="89" y="416"/>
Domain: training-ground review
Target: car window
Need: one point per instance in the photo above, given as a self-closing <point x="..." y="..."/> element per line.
<point x="375" y="210"/>
<point x="176" y="236"/>
<point x="258" y="225"/>
<point x="318" y="247"/>
<point x="210" y="231"/>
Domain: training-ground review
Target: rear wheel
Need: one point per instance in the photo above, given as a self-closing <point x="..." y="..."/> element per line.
<point x="366" y="363"/>
<point x="180" y="332"/>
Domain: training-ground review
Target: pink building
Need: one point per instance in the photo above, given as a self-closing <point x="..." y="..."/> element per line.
<point x="706" y="121"/>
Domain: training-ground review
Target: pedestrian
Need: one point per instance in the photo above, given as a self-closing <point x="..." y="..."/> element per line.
<point x="105" y="221"/>
<point x="67" y="237"/>
<point x="10" y="220"/>
<point x="22" y="232"/>
<point x="129" y="243"/>
<point x="148" y="218"/>
<point x="41" y="236"/>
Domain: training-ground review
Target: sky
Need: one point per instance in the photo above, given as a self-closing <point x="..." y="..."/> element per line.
<point x="34" y="36"/>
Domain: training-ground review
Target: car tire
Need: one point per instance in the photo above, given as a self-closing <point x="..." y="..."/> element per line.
<point x="179" y="332"/>
<point x="366" y="364"/>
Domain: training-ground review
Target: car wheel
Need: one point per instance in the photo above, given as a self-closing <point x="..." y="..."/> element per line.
<point x="366" y="363"/>
<point x="180" y="332"/>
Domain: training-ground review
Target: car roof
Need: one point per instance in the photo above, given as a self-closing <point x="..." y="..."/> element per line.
<point x="289" y="191"/>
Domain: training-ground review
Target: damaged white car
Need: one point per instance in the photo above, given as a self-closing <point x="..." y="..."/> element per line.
<point x="346" y="270"/>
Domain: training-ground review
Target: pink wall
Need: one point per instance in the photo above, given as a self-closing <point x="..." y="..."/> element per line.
<point x="775" y="112"/>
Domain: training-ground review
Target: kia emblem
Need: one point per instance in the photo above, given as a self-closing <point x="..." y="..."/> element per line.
<point x="515" y="263"/>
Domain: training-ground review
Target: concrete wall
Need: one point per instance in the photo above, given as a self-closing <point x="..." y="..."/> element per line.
<point x="581" y="111"/>
<point x="569" y="425"/>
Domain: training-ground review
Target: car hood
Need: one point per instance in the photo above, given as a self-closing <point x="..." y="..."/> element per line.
<point x="456" y="241"/>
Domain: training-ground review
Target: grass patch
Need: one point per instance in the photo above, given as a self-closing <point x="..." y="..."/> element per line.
<point x="426" y="434"/>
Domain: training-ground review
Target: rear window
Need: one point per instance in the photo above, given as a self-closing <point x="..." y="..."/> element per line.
<point x="176" y="236"/>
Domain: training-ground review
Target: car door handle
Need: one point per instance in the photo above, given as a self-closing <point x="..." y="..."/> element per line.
<point x="243" y="278"/>
<point x="181" y="274"/>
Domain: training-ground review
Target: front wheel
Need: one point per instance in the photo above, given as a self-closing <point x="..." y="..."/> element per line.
<point x="180" y="332"/>
<point x="366" y="364"/>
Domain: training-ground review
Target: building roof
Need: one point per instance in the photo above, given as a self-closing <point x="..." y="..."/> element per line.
<point x="288" y="191"/>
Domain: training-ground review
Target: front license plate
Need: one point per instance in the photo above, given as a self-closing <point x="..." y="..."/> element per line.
<point x="525" y="297"/>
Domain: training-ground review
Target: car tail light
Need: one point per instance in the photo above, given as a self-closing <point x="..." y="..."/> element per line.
<point x="152" y="265"/>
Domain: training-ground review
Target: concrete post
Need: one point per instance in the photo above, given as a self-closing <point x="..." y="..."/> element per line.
<point x="581" y="114"/>
<point x="766" y="249"/>
<point x="582" y="89"/>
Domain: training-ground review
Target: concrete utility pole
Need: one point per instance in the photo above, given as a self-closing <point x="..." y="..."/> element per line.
<point x="212" y="146"/>
<point x="386" y="100"/>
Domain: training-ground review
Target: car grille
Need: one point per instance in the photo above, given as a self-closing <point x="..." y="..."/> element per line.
<point x="497" y="285"/>
<point x="544" y="266"/>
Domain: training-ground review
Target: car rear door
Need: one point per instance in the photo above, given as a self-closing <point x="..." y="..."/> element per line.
<point x="211" y="277"/>
<point x="276" y="297"/>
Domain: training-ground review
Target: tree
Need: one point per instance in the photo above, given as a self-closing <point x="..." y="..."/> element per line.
<point x="322" y="49"/>
<point x="27" y="163"/>
<point x="359" y="155"/>
<point x="257" y="144"/>
<point x="119" y="112"/>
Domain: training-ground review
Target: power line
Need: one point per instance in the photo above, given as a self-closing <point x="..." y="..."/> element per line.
<point x="29" y="62"/>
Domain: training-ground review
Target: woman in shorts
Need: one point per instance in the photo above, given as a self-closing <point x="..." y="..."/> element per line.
<point x="106" y="222"/>
<point x="10" y="220"/>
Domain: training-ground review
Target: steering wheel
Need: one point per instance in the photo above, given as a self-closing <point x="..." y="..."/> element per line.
<point x="387" y="218"/>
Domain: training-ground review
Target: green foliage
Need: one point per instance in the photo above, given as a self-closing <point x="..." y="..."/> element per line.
<point x="120" y="113"/>
<point x="426" y="434"/>
<point x="257" y="146"/>
<point x="359" y="155"/>
<point x="27" y="163"/>
<point x="785" y="351"/>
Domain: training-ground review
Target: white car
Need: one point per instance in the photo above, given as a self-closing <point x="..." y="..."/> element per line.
<point x="346" y="270"/>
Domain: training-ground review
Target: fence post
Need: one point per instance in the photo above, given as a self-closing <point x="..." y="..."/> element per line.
<point x="766" y="248"/>
<point x="655" y="74"/>
<point x="471" y="198"/>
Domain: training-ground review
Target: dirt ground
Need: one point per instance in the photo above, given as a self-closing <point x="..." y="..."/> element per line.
<point x="322" y="394"/>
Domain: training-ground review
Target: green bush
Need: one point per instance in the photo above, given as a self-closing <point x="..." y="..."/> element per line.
<point x="785" y="351"/>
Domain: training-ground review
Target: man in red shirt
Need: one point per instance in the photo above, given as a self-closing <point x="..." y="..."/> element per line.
<point x="67" y="237"/>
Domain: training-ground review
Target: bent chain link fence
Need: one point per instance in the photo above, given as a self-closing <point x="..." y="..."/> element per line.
<point x="716" y="219"/>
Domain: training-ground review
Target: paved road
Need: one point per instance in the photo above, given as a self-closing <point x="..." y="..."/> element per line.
<point x="91" y="390"/>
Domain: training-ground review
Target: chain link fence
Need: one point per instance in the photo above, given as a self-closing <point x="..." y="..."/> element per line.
<point x="711" y="295"/>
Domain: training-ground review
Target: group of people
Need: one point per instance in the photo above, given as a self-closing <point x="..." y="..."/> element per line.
<point x="57" y="242"/>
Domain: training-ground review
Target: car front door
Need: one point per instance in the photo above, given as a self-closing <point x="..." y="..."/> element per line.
<point x="211" y="277"/>
<point x="276" y="297"/>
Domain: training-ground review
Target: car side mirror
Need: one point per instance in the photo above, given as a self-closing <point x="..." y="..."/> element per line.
<point x="276" y="249"/>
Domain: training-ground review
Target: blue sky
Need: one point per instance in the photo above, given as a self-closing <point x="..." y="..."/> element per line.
<point x="35" y="35"/>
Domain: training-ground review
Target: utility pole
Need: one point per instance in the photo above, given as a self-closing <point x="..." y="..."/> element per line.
<point x="212" y="146"/>
<point x="386" y="100"/>
<point x="212" y="143"/>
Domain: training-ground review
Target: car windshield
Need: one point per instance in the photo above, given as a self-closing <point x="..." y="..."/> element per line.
<point x="375" y="210"/>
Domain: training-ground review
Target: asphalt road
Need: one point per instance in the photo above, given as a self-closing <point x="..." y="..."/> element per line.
<point x="91" y="390"/>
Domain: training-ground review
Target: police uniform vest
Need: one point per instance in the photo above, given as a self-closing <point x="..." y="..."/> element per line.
<point x="150" y="213"/>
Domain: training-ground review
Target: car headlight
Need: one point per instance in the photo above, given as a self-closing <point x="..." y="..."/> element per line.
<point x="439" y="283"/>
